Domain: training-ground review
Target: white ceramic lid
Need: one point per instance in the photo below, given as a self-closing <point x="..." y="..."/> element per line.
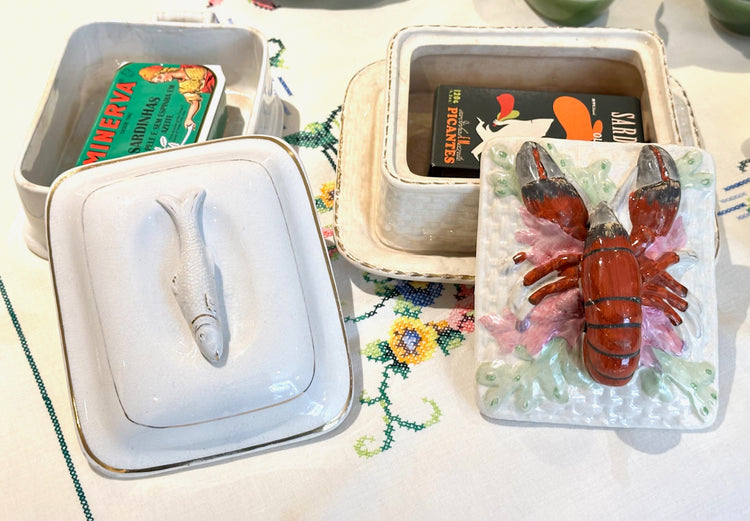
<point x="133" y="364"/>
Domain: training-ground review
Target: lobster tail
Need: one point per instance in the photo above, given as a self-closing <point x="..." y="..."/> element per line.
<point x="611" y="284"/>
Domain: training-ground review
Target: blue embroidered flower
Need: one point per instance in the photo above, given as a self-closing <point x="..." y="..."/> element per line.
<point x="419" y="293"/>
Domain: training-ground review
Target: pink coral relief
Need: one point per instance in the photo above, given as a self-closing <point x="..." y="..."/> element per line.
<point x="658" y="333"/>
<point x="557" y="315"/>
<point x="547" y="239"/>
<point x="674" y="240"/>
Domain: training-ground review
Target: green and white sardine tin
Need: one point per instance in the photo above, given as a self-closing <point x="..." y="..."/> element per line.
<point x="153" y="106"/>
<point x="79" y="83"/>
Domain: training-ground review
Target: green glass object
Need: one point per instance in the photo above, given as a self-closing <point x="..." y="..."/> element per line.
<point x="570" y="12"/>
<point x="732" y="14"/>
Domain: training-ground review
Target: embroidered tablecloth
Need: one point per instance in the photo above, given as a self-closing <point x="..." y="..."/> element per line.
<point x="414" y="445"/>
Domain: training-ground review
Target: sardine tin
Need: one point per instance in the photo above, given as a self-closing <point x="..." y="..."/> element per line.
<point x="152" y="106"/>
<point x="465" y="118"/>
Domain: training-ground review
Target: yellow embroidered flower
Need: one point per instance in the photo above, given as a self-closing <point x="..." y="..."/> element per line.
<point x="412" y="341"/>
<point x="326" y="193"/>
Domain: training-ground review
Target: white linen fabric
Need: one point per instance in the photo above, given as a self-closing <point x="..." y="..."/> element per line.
<point x="414" y="445"/>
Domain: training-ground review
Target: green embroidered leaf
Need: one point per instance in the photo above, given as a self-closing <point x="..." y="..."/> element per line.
<point x="436" y="413"/>
<point x="377" y="351"/>
<point x="361" y="447"/>
<point x="405" y="308"/>
<point x="438" y="334"/>
<point x="401" y="369"/>
<point x="449" y="340"/>
<point x="383" y="288"/>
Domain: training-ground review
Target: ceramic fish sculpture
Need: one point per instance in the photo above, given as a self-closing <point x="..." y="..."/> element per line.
<point x="194" y="282"/>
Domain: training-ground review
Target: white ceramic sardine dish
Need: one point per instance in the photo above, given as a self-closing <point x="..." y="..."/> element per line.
<point x="145" y="398"/>
<point x="85" y="69"/>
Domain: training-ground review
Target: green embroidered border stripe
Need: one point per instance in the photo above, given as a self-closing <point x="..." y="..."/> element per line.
<point x="47" y="403"/>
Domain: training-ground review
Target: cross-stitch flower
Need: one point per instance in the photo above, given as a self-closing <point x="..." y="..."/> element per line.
<point x="411" y="341"/>
<point x="326" y="193"/>
<point x="324" y="202"/>
<point x="462" y="316"/>
<point x="419" y="293"/>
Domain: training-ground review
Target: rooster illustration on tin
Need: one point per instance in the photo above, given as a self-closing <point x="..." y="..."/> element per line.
<point x="194" y="282"/>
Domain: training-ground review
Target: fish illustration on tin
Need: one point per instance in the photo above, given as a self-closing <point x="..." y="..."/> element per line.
<point x="194" y="282"/>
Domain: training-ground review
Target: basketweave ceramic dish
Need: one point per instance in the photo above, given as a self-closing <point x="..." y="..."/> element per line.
<point x="92" y="55"/>
<point x="360" y="183"/>
<point x="421" y="214"/>
<point x="528" y="361"/>
<point x="144" y="397"/>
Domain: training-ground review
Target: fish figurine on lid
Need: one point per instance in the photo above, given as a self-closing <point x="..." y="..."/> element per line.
<point x="194" y="282"/>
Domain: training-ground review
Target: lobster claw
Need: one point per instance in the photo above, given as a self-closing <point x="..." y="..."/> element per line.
<point x="547" y="194"/>
<point x="533" y="162"/>
<point x="654" y="203"/>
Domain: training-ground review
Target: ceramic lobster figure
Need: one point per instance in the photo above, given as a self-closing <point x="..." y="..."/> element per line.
<point x="615" y="276"/>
